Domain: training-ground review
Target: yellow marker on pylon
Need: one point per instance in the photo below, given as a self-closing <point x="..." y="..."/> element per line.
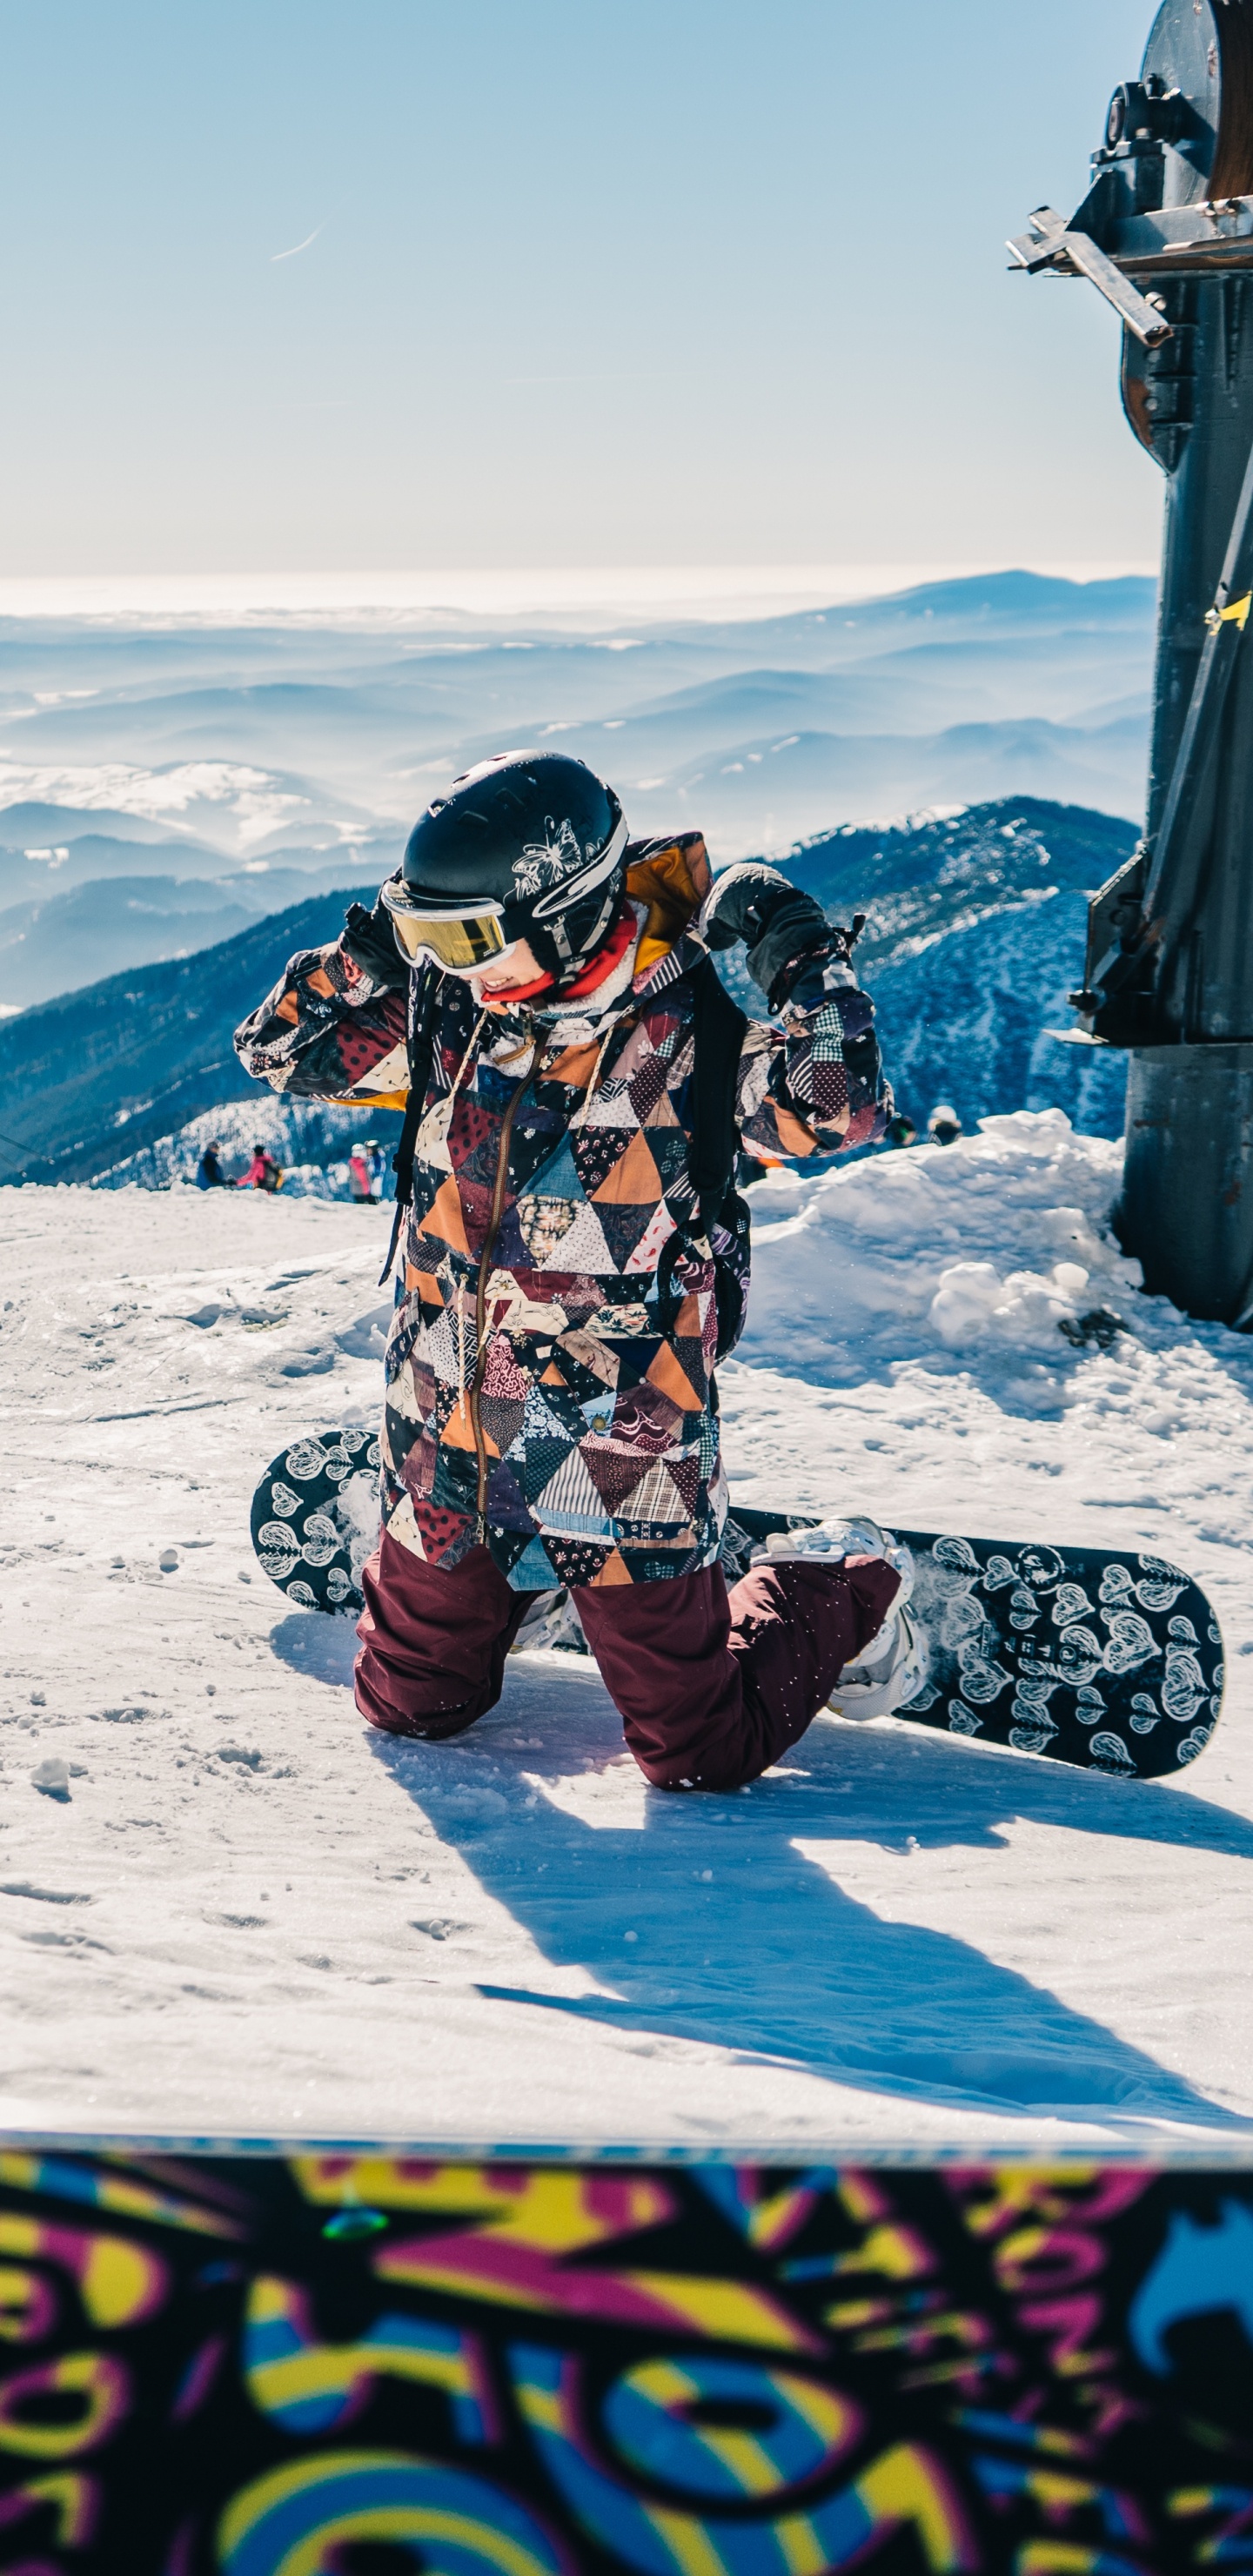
<point x="1236" y="615"/>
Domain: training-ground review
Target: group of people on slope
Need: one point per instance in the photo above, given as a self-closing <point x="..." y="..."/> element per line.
<point x="263" y="1172"/>
<point x="943" y="1127"/>
<point x="365" y="1171"/>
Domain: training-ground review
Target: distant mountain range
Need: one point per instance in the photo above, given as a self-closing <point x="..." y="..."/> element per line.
<point x="179" y="804"/>
<point x="974" y="937"/>
<point x="252" y="741"/>
<point x="83" y="924"/>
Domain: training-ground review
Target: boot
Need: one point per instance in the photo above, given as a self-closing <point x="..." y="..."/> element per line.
<point x="894" y="1665"/>
<point x="887" y="1672"/>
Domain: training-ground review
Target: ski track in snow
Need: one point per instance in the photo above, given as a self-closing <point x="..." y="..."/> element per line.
<point x="241" y="1914"/>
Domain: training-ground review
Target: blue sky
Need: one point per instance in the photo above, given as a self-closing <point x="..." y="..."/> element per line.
<point x="582" y="282"/>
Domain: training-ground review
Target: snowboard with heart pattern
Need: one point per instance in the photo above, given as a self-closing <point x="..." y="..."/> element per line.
<point x="1108" y="1659"/>
<point x="1105" y="1658"/>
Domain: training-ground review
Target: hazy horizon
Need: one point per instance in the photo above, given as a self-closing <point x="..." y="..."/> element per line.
<point x="720" y="591"/>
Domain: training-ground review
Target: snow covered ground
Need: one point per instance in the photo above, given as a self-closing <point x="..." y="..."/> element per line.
<point x="250" y="1917"/>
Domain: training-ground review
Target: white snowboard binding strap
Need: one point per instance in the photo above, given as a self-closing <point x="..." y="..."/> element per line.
<point x="894" y="1665"/>
<point x="888" y="1671"/>
<point x="552" y="1620"/>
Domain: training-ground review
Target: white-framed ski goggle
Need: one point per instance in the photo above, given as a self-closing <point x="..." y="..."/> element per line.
<point x="462" y="939"/>
<point x="459" y="943"/>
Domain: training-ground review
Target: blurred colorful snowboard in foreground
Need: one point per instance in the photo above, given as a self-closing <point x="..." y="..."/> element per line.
<point x="349" y="2364"/>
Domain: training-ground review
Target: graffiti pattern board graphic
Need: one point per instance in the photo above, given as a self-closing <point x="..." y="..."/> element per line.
<point x="358" y="2364"/>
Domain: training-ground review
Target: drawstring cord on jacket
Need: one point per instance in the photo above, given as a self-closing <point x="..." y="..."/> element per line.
<point x="421" y="1054"/>
<point x="580" y="1118"/>
<point x="533" y="1041"/>
<point x="457" y="1309"/>
<point x="459" y="1076"/>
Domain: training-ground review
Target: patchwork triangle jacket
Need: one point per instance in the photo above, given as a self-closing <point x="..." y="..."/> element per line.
<point x="546" y="1392"/>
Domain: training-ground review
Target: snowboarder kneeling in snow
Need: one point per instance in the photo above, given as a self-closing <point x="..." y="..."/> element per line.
<point x="538" y="993"/>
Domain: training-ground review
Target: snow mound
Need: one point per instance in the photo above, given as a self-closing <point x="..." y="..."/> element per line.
<point x="992" y="1243"/>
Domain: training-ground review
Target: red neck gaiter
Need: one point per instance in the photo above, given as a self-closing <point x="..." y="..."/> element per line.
<point x="600" y="964"/>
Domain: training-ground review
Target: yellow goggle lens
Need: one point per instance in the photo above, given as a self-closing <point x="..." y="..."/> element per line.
<point x="459" y="942"/>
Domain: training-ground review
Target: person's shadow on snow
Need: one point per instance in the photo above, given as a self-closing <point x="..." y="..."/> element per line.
<point x="741" y="1938"/>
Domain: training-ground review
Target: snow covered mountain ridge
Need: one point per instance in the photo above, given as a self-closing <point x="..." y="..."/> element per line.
<point x="131" y="1059"/>
<point x="974" y="937"/>
<point x="164" y="782"/>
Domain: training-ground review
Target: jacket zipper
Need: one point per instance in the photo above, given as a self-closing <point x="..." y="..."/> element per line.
<point x="480" y="1301"/>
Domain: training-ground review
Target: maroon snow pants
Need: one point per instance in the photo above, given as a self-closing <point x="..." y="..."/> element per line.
<point x="711" y="1688"/>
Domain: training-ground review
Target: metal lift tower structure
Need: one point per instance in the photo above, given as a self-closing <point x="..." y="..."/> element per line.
<point x="1166" y="234"/>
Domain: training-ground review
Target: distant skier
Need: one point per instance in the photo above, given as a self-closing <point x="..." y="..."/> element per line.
<point x="360" y="1182"/>
<point x="575" y="1261"/>
<point x="901" y="1131"/>
<point x="263" y="1172"/>
<point x="943" y="1126"/>
<point x="209" y="1172"/>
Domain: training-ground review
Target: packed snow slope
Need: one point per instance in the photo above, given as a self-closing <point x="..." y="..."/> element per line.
<point x="231" y="1910"/>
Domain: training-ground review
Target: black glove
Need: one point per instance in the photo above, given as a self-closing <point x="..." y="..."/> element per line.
<point x="369" y="939"/>
<point x="786" y="932"/>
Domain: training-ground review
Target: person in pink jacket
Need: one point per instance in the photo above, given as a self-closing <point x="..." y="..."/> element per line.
<point x="263" y="1172"/>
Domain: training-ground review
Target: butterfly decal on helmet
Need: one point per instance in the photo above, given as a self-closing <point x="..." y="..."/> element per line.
<point x="547" y="863"/>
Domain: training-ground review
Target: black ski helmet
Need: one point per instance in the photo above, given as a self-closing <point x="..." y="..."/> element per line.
<point x="540" y="834"/>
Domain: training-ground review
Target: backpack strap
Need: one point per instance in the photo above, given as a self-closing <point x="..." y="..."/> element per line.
<point x="718" y="1031"/>
<point x="421" y="1051"/>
